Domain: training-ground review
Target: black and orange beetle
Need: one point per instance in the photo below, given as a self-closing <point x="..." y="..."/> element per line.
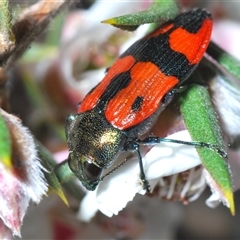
<point x="126" y="103"/>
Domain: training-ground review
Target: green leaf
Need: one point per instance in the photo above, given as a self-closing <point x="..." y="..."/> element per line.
<point x="7" y="38"/>
<point x="5" y="18"/>
<point x="201" y="121"/>
<point x="230" y="63"/>
<point x="63" y="172"/>
<point x="55" y="185"/>
<point x="58" y="175"/>
<point x="50" y="176"/>
<point x="5" y="144"/>
<point x="67" y="178"/>
<point x="159" y="11"/>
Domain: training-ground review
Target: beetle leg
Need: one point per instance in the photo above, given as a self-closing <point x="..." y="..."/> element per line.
<point x="133" y="146"/>
<point x="154" y="140"/>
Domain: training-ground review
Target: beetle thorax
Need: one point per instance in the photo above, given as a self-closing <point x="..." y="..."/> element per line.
<point x="92" y="136"/>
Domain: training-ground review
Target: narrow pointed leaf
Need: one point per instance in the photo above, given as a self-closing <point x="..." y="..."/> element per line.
<point x="159" y="10"/>
<point x="59" y="175"/>
<point x="55" y="185"/>
<point x="51" y="178"/>
<point x="201" y="121"/>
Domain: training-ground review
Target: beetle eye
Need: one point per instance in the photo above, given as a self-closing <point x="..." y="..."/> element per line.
<point x="92" y="171"/>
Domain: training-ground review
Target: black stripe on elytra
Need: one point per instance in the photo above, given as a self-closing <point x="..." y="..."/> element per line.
<point x="157" y="51"/>
<point x="137" y="103"/>
<point x="118" y="83"/>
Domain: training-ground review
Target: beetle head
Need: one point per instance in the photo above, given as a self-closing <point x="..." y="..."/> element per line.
<point x="93" y="144"/>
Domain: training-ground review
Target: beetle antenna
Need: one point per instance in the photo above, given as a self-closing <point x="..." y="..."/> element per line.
<point x="114" y="169"/>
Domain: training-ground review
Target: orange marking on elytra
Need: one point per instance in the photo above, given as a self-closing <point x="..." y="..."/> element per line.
<point x="192" y="45"/>
<point x="148" y="82"/>
<point x="92" y="98"/>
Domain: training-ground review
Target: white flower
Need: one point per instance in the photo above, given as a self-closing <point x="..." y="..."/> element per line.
<point x="173" y="170"/>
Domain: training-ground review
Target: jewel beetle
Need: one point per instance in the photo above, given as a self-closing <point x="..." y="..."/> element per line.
<point x="136" y="88"/>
